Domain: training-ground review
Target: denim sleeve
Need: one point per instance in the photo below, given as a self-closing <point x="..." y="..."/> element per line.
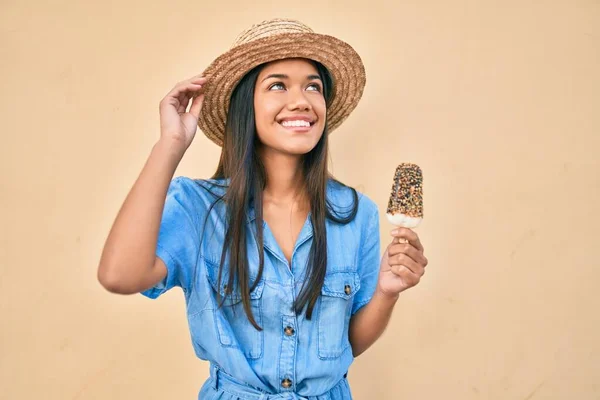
<point x="369" y="259"/>
<point x="178" y="239"/>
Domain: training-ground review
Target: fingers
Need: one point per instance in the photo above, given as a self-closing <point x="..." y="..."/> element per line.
<point x="197" y="105"/>
<point x="196" y="96"/>
<point x="183" y="91"/>
<point x="409" y="235"/>
<point x="403" y="260"/>
<point x="407" y="275"/>
<point x="409" y="250"/>
<point x="187" y="86"/>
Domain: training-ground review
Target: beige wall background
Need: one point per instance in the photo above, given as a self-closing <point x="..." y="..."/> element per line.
<point x="498" y="101"/>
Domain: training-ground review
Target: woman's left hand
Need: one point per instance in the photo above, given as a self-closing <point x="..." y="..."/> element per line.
<point x="402" y="264"/>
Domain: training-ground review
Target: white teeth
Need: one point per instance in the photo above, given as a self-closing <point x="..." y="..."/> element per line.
<point x="295" y="123"/>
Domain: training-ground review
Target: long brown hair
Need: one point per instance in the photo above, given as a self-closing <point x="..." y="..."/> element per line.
<point x="241" y="164"/>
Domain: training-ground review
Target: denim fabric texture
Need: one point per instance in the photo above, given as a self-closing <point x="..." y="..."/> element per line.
<point x="292" y="357"/>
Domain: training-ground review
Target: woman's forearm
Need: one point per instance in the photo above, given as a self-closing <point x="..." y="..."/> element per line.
<point x="367" y="325"/>
<point x="129" y="251"/>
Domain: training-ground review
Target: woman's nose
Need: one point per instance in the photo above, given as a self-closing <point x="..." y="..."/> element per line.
<point x="298" y="101"/>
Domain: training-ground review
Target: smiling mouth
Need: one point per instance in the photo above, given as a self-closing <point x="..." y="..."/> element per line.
<point x="296" y="124"/>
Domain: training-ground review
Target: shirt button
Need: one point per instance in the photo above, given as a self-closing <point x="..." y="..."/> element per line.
<point x="289" y="331"/>
<point x="347" y="289"/>
<point x="286" y="383"/>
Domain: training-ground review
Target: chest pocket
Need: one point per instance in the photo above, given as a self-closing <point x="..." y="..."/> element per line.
<point x="335" y="309"/>
<point x="233" y="326"/>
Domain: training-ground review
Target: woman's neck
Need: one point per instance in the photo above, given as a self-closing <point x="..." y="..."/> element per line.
<point x="285" y="181"/>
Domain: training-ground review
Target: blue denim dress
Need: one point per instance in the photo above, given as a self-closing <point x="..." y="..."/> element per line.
<point x="292" y="357"/>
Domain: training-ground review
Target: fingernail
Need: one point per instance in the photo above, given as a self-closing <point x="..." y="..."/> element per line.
<point x="395" y="232"/>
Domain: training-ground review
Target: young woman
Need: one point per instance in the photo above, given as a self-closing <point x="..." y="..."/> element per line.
<point x="279" y="262"/>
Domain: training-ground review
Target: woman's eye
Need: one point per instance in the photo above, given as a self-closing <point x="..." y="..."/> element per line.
<point x="280" y="86"/>
<point x="276" y="85"/>
<point x="315" y="86"/>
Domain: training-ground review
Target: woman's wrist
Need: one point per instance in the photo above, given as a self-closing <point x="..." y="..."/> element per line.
<point x="389" y="298"/>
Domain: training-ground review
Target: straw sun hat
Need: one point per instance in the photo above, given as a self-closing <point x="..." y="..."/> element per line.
<point x="277" y="39"/>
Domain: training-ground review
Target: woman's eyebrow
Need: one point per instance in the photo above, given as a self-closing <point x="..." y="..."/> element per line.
<point x="284" y="76"/>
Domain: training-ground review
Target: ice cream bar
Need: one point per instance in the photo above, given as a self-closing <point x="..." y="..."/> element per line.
<point x="405" y="207"/>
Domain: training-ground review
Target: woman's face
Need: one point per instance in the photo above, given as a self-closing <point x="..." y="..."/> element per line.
<point x="289" y="106"/>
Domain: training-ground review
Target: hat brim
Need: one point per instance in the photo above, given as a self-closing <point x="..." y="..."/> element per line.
<point x="341" y="60"/>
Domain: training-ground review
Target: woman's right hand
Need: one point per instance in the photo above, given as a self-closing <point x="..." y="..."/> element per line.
<point x="175" y="123"/>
